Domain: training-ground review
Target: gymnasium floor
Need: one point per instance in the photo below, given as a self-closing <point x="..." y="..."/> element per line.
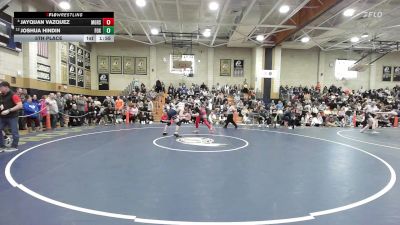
<point x="125" y="175"/>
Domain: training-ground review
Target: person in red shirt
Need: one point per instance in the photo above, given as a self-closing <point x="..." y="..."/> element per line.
<point x="10" y="103"/>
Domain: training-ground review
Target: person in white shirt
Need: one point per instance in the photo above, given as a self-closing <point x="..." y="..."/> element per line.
<point x="52" y="107"/>
<point x="317" y="121"/>
<point x="370" y="113"/>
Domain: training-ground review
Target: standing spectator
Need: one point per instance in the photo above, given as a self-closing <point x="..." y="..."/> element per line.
<point x="21" y="120"/>
<point x="119" y="106"/>
<point x="10" y="103"/>
<point x="53" y="109"/>
<point x="31" y="110"/>
<point x="43" y="110"/>
<point x="159" y="87"/>
<point x="60" y="104"/>
<point x="80" y="104"/>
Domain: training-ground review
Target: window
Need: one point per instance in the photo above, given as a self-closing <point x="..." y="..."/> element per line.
<point x="43" y="49"/>
<point x="342" y="69"/>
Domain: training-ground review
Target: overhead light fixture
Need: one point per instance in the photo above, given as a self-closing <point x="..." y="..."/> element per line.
<point x="260" y="38"/>
<point x="349" y="12"/>
<point x="141" y="3"/>
<point x="354" y="39"/>
<point x="154" y="31"/>
<point x="305" y="39"/>
<point x="284" y="9"/>
<point x="213" y="6"/>
<point x="207" y="32"/>
<point x="64" y="5"/>
<point x="364" y="35"/>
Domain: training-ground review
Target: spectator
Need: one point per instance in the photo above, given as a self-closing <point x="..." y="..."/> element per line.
<point x="31" y="111"/>
<point x="10" y="104"/>
<point x="53" y="109"/>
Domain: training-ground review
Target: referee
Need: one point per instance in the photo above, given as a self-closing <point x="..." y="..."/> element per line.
<point x="229" y="118"/>
<point x="10" y="103"/>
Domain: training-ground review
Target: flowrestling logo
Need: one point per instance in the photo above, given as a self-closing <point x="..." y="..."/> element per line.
<point x="199" y="141"/>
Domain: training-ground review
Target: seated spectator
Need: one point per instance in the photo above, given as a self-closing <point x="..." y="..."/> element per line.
<point x="74" y="119"/>
<point x="317" y="121"/>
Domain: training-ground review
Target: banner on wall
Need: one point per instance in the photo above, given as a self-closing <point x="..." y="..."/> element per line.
<point x="387" y="73"/>
<point x="238" y="68"/>
<point x="103" y="64"/>
<point x="225" y="67"/>
<point x="43" y="72"/>
<point x="72" y="54"/>
<point x="116" y="64"/>
<point x="88" y="82"/>
<point x="141" y="66"/>
<point x="80" y="78"/>
<point x="104" y="81"/>
<point x="72" y="74"/>
<point x="79" y="56"/>
<point x="129" y="65"/>
<point x="64" y="52"/>
<point x="396" y="73"/>
<point x="87" y="60"/>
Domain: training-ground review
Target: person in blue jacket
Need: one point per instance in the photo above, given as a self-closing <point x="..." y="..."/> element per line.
<point x="31" y="111"/>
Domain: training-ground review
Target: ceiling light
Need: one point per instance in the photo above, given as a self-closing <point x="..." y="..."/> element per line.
<point x="207" y="32"/>
<point x="64" y="5"/>
<point x="141" y="3"/>
<point x="154" y="31"/>
<point x="260" y="38"/>
<point x="305" y="39"/>
<point x="213" y="6"/>
<point x="354" y="39"/>
<point x="364" y="35"/>
<point x="284" y="9"/>
<point x="348" y="12"/>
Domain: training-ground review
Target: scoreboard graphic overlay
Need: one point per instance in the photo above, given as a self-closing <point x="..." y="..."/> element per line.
<point x="64" y="26"/>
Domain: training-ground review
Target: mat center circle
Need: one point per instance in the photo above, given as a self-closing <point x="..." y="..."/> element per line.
<point x="201" y="143"/>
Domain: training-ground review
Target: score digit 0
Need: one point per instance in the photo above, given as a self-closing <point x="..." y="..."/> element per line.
<point x="108" y="21"/>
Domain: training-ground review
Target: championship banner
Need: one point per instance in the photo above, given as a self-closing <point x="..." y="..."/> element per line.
<point x="43" y="72"/>
<point x="64" y="52"/>
<point x="72" y="74"/>
<point x="87" y="60"/>
<point x="387" y="73"/>
<point x="88" y="81"/>
<point x="72" y="54"/>
<point x="79" y="57"/>
<point x="238" y="68"/>
<point x="141" y="66"/>
<point x="129" y="65"/>
<point x="396" y="73"/>
<point x="116" y="64"/>
<point x="103" y="81"/>
<point x="80" y="78"/>
<point x="268" y="74"/>
<point x="225" y="67"/>
<point x="103" y="64"/>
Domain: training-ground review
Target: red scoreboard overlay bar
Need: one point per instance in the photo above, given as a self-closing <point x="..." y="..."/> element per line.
<point x="64" y="26"/>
